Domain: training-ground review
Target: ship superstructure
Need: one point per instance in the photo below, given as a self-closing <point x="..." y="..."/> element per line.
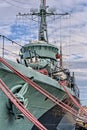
<point x="37" y="87"/>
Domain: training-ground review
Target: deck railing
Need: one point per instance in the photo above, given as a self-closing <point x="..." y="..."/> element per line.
<point x="9" y="49"/>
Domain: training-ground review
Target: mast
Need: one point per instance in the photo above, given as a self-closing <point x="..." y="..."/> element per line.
<point x="61" y="60"/>
<point x="43" y="35"/>
<point x="42" y="14"/>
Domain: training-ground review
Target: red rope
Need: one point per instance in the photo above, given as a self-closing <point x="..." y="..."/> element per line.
<point x="17" y="103"/>
<point x="41" y="90"/>
<point x="38" y="88"/>
<point x="63" y="84"/>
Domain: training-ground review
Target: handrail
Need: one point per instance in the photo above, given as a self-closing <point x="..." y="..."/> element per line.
<point x="3" y="45"/>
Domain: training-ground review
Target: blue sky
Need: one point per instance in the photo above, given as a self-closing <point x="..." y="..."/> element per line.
<point x="73" y="32"/>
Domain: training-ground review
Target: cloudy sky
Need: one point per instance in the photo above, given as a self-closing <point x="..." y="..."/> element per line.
<point x="71" y="30"/>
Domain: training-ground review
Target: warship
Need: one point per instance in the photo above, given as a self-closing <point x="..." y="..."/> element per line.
<point x="38" y="93"/>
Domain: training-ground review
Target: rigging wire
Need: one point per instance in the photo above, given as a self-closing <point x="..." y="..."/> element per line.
<point x="10" y="52"/>
<point x="10" y="3"/>
<point x="69" y="41"/>
<point x="20" y="2"/>
<point x="26" y="16"/>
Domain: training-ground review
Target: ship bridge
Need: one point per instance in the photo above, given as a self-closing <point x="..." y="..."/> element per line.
<point x="39" y="49"/>
<point x="39" y="55"/>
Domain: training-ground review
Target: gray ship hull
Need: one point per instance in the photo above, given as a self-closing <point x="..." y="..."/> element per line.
<point x="49" y="114"/>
